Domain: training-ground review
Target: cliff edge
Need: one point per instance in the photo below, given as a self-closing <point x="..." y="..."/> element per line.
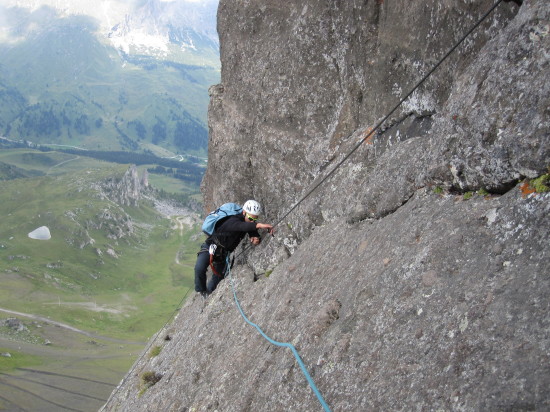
<point x="415" y="277"/>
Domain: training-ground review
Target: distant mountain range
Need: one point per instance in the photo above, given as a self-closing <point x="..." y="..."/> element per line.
<point x="108" y="75"/>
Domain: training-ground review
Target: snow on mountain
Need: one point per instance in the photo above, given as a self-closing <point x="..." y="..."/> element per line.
<point x="157" y="25"/>
<point x="159" y="28"/>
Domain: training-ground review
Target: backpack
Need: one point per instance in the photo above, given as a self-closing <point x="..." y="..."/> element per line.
<point x="225" y="210"/>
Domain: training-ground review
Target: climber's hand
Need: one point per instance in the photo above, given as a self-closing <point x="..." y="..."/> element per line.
<point x="266" y="226"/>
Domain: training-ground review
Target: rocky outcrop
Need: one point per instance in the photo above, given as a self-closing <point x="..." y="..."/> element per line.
<point x="111" y="219"/>
<point x="14" y="324"/>
<point x="415" y="277"/>
<point x="125" y="190"/>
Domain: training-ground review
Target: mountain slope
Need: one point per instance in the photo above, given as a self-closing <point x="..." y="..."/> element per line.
<point x="66" y="85"/>
<point x="171" y="30"/>
<point x="415" y="278"/>
<point x="76" y="307"/>
<point x="179" y="31"/>
<point x="385" y="314"/>
<point x="105" y="232"/>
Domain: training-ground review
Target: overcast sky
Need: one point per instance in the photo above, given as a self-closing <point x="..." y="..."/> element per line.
<point x="91" y="3"/>
<point x="107" y="12"/>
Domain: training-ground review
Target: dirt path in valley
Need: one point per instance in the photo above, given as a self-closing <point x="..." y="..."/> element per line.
<point x="69" y="327"/>
<point x="61" y="163"/>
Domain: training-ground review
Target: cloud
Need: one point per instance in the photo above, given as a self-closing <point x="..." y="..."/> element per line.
<point x="190" y="1"/>
<point x="17" y="23"/>
<point x="139" y="3"/>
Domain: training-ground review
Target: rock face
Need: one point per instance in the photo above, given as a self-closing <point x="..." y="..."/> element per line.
<point x="15" y="324"/>
<point x="416" y="276"/>
<point x="127" y="190"/>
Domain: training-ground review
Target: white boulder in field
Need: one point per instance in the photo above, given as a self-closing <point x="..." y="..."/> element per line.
<point x="42" y="233"/>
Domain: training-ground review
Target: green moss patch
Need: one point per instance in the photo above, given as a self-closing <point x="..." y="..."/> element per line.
<point x="148" y="379"/>
<point x="541" y="184"/>
<point x="155" y="351"/>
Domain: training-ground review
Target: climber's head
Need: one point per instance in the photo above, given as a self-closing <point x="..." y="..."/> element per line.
<point x="252" y="210"/>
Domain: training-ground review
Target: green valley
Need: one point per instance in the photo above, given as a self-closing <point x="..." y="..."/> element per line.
<point x="113" y="272"/>
<point x="103" y="145"/>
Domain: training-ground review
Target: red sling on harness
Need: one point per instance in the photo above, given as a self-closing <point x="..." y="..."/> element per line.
<point x="212" y="266"/>
<point x="212" y="251"/>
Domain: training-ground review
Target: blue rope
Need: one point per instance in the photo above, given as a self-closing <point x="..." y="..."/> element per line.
<point x="274" y="342"/>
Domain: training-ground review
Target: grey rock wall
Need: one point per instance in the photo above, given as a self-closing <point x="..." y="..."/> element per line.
<point x="300" y="78"/>
<point x="402" y="285"/>
<point x="442" y="305"/>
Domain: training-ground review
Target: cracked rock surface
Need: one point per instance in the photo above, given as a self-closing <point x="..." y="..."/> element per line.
<point x="442" y="305"/>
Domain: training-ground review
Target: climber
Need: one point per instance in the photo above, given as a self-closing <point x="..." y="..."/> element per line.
<point x="227" y="235"/>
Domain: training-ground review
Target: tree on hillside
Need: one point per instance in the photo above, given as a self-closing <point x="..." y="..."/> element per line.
<point x="190" y="135"/>
<point x="159" y="131"/>
<point x="81" y="125"/>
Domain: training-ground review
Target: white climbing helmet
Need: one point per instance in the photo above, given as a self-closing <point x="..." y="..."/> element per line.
<point x="252" y="207"/>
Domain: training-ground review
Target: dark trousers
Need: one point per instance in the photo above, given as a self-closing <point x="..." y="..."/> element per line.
<point x="201" y="266"/>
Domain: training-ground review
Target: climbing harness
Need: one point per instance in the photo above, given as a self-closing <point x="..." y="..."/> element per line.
<point x="274" y="342"/>
<point x="212" y="252"/>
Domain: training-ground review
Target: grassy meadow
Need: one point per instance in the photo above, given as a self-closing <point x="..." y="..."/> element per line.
<point x="117" y="289"/>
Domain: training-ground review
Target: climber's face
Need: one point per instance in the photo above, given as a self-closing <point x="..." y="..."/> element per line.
<point x="250" y="218"/>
